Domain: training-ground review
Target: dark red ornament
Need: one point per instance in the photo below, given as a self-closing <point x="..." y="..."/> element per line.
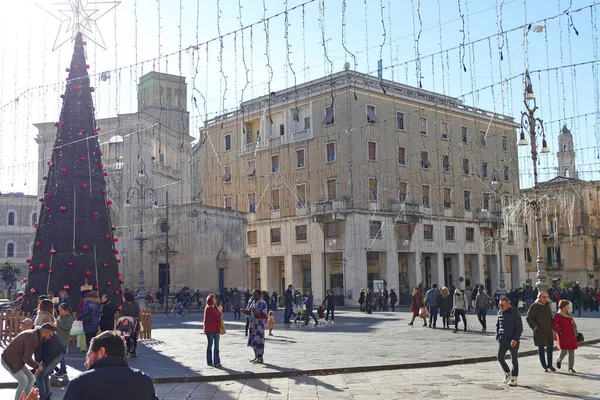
<point x="52" y="251"/>
<point x="84" y="185"/>
<point x="82" y="158"/>
<point x="88" y="273"/>
<point x="122" y="291"/>
<point x="75" y="66"/>
<point x="100" y="153"/>
<point x="100" y="165"/>
<point x="88" y="105"/>
<point x="44" y="178"/>
<point x="20" y="307"/>
<point x="58" y="148"/>
<point x="67" y="287"/>
<point x="70" y="264"/>
<point x="24" y="280"/>
<point x="116" y="240"/>
<point x="114" y="228"/>
<point x="105" y="265"/>
<point x="41" y="199"/>
<point x="62" y="96"/>
<point x="108" y="283"/>
<point x="75" y="87"/>
<point x="92" y="89"/>
<point x="117" y="293"/>
<point x="32" y="291"/>
<point x="84" y="43"/>
<point x="118" y="260"/>
<point x="63" y="208"/>
<point x="50" y="164"/>
<point x="105" y="173"/>
<point x="49" y="271"/>
<point x="63" y="170"/>
<point x="28" y="260"/>
<point x="81" y="131"/>
<point x="47" y="208"/>
<point x="86" y="65"/>
<point x="42" y="265"/>
<point x="103" y="191"/>
<point x="67" y="69"/>
<point x="31" y="269"/>
<point x="85" y="247"/>
<point x="35" y="226"/>
<point x="62" y="123"/>
<point x="95" y="287"/>
<point x="20" y="298"/>
<point x="116" y="251"/>
<point x="95" y="213"/>
<point x="97" y="128"/>
<point x="38" y="243"/>
<point x="118" y="274"/>
<point x="109" y="202"/>
<point x="56" y="124"/>
<point x="48" y="195"/>
<point x="107" y="236"/>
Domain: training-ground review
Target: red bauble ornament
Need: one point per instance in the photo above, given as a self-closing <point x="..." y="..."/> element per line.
<point x="35" y="226"/>
<point x="56" y="124"/>
<point x="117" y="293"/>
<point x="20" y="307"/>
<point x="122" y="291"/>
<point x="118" y="274"/>
<point x="95" y="287"/>
<point x="85" y="247"/>
<point x="100" y="153"/>
<point x="49" y="271"/>
<point x="48" y="195"/>
<point x="41" y="199"/>
<point x="108" y="283"/>
<point x="67" y="69"/>
<point x="28" y="260"/>
<point x="97" y="128"/>
<point x="107" y="236"/>
<point x="84" y="185"/>
<point x="58" y="148"/>
<point x="62" y="96"/>
<point x="105" y="265"/>
<point x="95" y="213"/>
<point x="82" y="158"/>
<point x="44" y="178"/>
<point x="84" y="43"/>
<point x="103" y="191"/>
<point x="92" y="89"/>
<point x="50" y="164"/>
<point x="86" y="65"/>
<point x="47" y="208"/>
<point x="114" y="228"/>
<point x="62" y="123"/>
<point x="52" y="251"/>
<point x="88" y="273"/>
<point x="38" y="243"/>
<point x="32" y="291"/>
<point x="118" y="260"/>
<point x="42" y="265"/>
<point x="116" y="240"/>
<point x="20" y="298"/>
<point x="105" y="173"/>
<point x="109" y="202"/>
<point x="100" y="165"/>
<point x="63" y="208"/>
<point x="67" y="287"/>
<point x="81" y="131"/>
<point x="70" y="264"/>
<point x="31" y="269"/>
<point x="24" y="280"/>
<point x="28" y="302"/>
<point x="63" y="170"/>
<point x="75" y="66"/>
<point x="88" y="105"/>
<point x="75" y="87"/>
<point x="116" y="251"/>
<point x="121" y="281"/>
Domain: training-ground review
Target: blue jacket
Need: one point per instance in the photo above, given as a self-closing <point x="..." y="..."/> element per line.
<point x="111" y="378"/>
<point x="90" y="316"/>
<point x="309" y="303"/>
<point x="509" y="325"/>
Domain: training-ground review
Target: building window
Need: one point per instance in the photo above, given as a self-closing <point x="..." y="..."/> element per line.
<point x="300" y="158"/>
<point x="446" y="163"/>
<point x="332" y="230"/>
<point x="484" y="170"/>
<point x="423" y="125"/>
<point x="447" y="198"/>
<point x="251" y="169"/>
<point x="251" y="202"/>
<point x="486" y="201"/>
<point x="227" y="174"/>
<point x="329" y="119"/>
<point x="425" y="195"/>
<point x="596" y="255"/>
<point x="375" y="229"/>
<point x="466" y="168"/>
<point x="371" y="115"/>
<point x="470" y="234"/>
<point x="504" y="143"/>
<point x="301" y="195"/>
<point x="10" y="250"/>
<point x="450" y="233"/>
<point x="482" y="138"/>
<point x="464" y="134"/>
<point x="506" y="173"/>
<point x="227" y="142"/>
<point x="527" y="251"/>
<point x="444" y="129"/>
<point x="331" y="156"/>
<point x="425" y="159"/>
<point x="402" y="191"/>
<point x="11" y="218"/>
<point x="301" y="233"/>
<point x="275" y="235"/>
<point x="467" y="200"/>
<point x="275" y="199"/>
<point x="252" y="238"/>
<point x="372" y="149"/>
<point x="373" y="189"/>
<point x="511" y="237"/>
<point x="275" y="164"/>
<point x="400" y="121"/>
<point x="401" y="156"/>
<point x="554" y="259"/>
<point x="228" y="202"/>
<point x="428" y="232"/>
<point x="331" y="187"/>
<point x="281" y="129"/>
<point x="34" y="219"/>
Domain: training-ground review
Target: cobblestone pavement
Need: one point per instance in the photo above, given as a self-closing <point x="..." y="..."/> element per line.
<point x="474" y="381"/>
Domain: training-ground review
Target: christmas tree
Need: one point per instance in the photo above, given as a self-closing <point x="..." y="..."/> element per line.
<point x="74" y="241"/>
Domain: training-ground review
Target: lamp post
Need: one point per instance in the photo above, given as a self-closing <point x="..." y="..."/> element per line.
<point x="344" y="262"/>
<point x="142" y="194"/>
<point x="164" y="227"/>
<point x="534" y="126"/>
<point x="496" y="185"/>
<point x="247" y="257"/>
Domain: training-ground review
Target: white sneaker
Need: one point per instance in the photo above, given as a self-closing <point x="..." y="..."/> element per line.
<point x="507" y="378"/>
<point x="332" y="323"/>
<point x="513" y="381"/>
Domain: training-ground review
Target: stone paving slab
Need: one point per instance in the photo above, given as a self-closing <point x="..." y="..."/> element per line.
<point x="475" y="381"/>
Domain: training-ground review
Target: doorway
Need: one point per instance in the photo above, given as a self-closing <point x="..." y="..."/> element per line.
<point x="306" y="280"/>
<point x="221" y="279"/>
<point x="163" y="277"/>
<point x="447" y="272"/>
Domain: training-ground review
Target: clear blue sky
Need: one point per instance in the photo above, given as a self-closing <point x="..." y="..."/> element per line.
<point x="29" y="66"/>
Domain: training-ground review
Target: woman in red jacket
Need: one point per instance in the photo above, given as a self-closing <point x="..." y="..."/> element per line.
<point x="416" y="302"/>
<point x="566" y="331"/>
<point x="212" y="328"/>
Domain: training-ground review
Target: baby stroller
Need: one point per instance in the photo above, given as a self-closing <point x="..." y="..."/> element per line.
<point x="128" y="332"/>
<point x="300" y="314"/>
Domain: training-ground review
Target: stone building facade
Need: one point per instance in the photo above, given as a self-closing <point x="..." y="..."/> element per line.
<point x="349" y="180"/>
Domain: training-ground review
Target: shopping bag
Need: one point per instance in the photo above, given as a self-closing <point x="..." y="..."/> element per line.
<point x="140" y="326"/>
<point x="424" y="313"/>
<point x="77" y="328"/>
<point x="223" y="330"/>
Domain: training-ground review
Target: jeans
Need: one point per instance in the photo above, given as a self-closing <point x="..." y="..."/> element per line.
<point x="43" y="378"/>
<point x="562" y="355"/>
<point x="236" y="311"/>
<point x="548" y="350"/>
<point x="287" y="314"/>
<point x="311" y="313"/>
<point x="458" y="313"/>
<point x="433" y="314"/>
<point x="481" y="314"/>
<point x="577" y="306"/>
<point x="329" y="310"/>
<point x="247" y="325"/>
<point x="213" y="338"/>
<point x="504" y="346"/>
<point x="63" y="365"/>
<point x="24" y="377"/>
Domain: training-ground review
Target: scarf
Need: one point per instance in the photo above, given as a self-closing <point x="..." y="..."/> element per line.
<point x="571" y="317"/>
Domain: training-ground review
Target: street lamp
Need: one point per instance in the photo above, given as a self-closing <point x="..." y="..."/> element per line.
<point x="141" y="194"/>
<point x="344" y="262"/>
<point x="534" y="126"/>
<point x="496" y="185"/>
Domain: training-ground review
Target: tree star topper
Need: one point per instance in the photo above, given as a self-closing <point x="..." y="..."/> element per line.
<point x="78" y="16"/>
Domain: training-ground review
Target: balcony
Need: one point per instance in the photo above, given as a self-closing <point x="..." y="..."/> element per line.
<point x="555" y="265"/>
<point x="335" y="207"/>
<point x="408" y="212"/>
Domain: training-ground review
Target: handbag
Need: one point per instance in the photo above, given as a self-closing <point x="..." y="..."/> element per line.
<point x="423" y="313"/>
<point x="77" y="328"/>
<point x="580" y="337"/>
<point x="223" y="330"/>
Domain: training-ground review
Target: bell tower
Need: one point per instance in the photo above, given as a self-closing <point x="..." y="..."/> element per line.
<point x="566" y="154"/>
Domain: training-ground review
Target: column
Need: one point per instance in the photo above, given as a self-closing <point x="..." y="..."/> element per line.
<point x="415" y="275"/>
<point x="317" y="277"/>
<point x="264" y="272"/>
<point x="392" y="278"/>
<point x="461" y="271"/>
<point x="437" y="269"/>
<point x="355" y="272"/>
<point x="493" y="272"/>
<point x="477" y="261"/>
<point x="289" y="270"/>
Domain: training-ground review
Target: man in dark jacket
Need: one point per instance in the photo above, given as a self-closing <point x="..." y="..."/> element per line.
<point x="289" y="301"/>
<point x="393" y="299"/>
<point x="309" y="308"/>
<point x="432" y="299"/>
<point x="236" y="303"/>
<point x="509" y="328"/>
<point x="108" y="375"/>
<point x="107" y="314"/>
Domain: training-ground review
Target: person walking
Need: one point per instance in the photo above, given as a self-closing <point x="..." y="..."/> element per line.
<point x="107" y="314"/>
<point x="509" y="328"/>
<point x="482" y="303"/>
<point x="64" y="323"/>
<point x="416" y="302"/>
<point x="393" y="299"/>
<point x="576" y="299"/>
<point x="288" y="299"/>
<point x="566" y="334"/>
<point x="90" y="316"/>
<point x="460" y="305"/>
<point x="18" y="355"/>
<point x="329" y="304"/>
<point x="539" y="318"/>
<point x="271" y="322"/>
<point x="386" y="297"/>
<point x="212" y="329"/>
<point x="361" y="300"/>
<point x="236" y="304"/>
<point x="257" y="311"/>
<point x="368" y="302"/>
<point x="432" y="299"/>
<point x="309" y="308"/>
<point x="49" y="353"/>
<point x="445" y="307"/>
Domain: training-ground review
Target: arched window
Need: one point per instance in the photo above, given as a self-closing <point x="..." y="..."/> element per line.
<point x="11" y="218"/>
<point x="34" y="219"/>
<point x="10" y="250"/>
<point x="567" y="172"/>
<point x="565" y="147"/>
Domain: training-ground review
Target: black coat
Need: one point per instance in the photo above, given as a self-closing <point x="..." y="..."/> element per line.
<point x="289" y="298"/>
<point x="107" y="316"/>
<point x="48" y="350"/>
<point x="111" y="378"/>
<point x="329" y="302"/>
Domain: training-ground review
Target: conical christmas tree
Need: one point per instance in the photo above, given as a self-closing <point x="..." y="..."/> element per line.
<point x="74" y="241"/>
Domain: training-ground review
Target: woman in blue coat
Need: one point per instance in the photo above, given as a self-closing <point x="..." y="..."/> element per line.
<point x="90" y="315"/>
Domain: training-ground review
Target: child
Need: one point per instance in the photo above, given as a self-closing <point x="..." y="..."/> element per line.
<point x="271" y="322"/>
<point x="321" y="312"/>
<point x="124" y="327"/>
